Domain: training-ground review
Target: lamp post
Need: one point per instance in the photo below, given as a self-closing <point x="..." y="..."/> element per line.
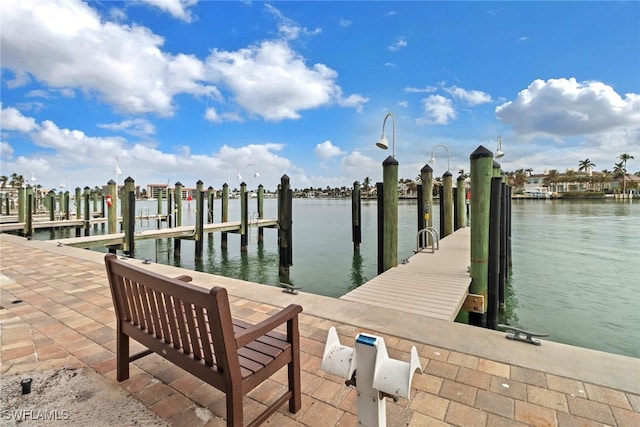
<point x="382" y="142"/>
<point x="388" y="200"/>
<point x="432" y="160"/>
<point x="446" y="195"/>
<point x="255" y="174"/>
<point x="499" y="152"/>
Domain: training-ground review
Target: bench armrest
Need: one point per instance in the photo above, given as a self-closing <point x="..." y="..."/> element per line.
<point x="184" y="278"/>
<point x="267" y="325"/>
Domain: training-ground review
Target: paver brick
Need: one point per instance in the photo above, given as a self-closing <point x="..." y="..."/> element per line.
<point x="458" y="392"/>
<point x="465" y="416"/>
<point x="495" y="404"/>
<point x="590" y="409"/>
<point x="548" y="398"/>
<point x="608" y="396"/>
<point x="535" y="415"/>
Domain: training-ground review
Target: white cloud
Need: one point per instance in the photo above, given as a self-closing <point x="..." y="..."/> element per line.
<point x="357" y="164"/>
<point x="6" y="150"/>
<point x="287" y="27"/>
<point x="438" y="110"/>
<point x="177" y="8"/>
<point x="403" y="104"/>
<point x="121" y="64"/>
<point x="12" y="119"/>
<point x="427" y="89"/>
<point x="272" y="81"/>
<point x="135" y="127"/>
<point x="398" y="44"/>
<point x="212" y="115"/>
<point x="326" y="150"/>
<point x="471" y="97"/>
<point x="566" y="107"/>
<point x="343" y="22"/>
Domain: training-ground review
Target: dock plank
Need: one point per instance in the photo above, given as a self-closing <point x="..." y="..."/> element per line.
<point x="430" y="284"/>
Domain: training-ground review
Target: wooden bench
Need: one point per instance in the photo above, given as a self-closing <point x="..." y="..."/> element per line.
<point x="192" y="327"/>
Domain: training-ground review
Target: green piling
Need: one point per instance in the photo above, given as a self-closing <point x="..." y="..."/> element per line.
<point x="446" y="204"/>
<point x="177" y="243"/>
<point x="461" y="210"/>
<point x="128" y="217"/>
<point x="87" y="212"/>
<point x="481" y="174"/>
<point x="224" y="214"/>
<point x="390" y="209"/>
<point x="112" y="207"/>
<point x="356" y="216"/>
<point x="260" y="212"/>
<point x="244" y="218"/>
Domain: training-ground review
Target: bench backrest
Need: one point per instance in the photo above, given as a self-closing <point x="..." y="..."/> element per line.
<point x="189" y="318"/>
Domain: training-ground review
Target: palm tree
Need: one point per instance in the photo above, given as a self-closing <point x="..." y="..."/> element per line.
<point x="624" y="157"/>
<point x="585" y="165"/>
<point x="553" y="177"/>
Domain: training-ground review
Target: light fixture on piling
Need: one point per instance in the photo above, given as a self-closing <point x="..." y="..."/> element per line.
<point x="432" y="160"/>
<point x="256" y="174"/>
<point x="382" y="142"/>
<point x="499" y="152"/>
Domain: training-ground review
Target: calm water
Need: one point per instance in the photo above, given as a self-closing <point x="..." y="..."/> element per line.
<point x="575" y="275"/>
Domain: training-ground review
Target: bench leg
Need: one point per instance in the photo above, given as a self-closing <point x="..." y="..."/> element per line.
<point x="122" y="361"/>
<point x="295" y="403"/>
<point x="234" y="408"/>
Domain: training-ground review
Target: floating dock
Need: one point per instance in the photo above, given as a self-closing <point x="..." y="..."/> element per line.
<point x="428" y="284"/>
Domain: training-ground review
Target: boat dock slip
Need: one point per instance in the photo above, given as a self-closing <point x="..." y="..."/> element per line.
<point x="179" y="232"/>
<point x="429" y="284"/>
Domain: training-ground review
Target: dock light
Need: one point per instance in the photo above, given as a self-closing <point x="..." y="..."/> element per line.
<point x="499" y="152"/>
<point x="382" y="142"/>
<point x="432" y="160"/>
<point x="255" y="174"/>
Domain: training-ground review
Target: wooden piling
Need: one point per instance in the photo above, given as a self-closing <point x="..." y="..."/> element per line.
<point x="211" y="195"/>
<point x="260" y="212"/>
<point x="129" y="216"/>
<point x="285" y="240"/>
<point x="22" y="204"/>
<point x="224" y="214"/>
<point x="356" y="216"/>
<point x="446" y="204"/>
<point x="481" y="173"/>
<point x="171" y="214"/>
<point x="461" y="210"/>
<point x="177" y="243"/>
<point x="160" y="200"/>
<point x="381" y="227"/>
<point x="51" y="204"/>
<point x="244" y="217"/>
<point x="493" y="273"/>
<point x="390" y="232"/>
<point x="28" y="227"/>
<point x="426" y="176"/>
<point x="200" y="222"/>
<point x="87" y="212"/>
<point x="112" y="207"/>
<point x="67" y="201"/>
<point x="502" y="279"/>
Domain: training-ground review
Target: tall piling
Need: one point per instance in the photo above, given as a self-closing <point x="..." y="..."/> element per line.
<point x="177" y="243"/>
<point x="224" y="214"/>
<point x="129" y="216"/>
<point x="87" y="212"/>
<point x="356" y="216"/>
<point x="461" y="210"/>
<point x="79" y="205"/>
<point x="67" y="201"/>
<point x="381" y="227"/>
<point x="199" y="227"/>
<point x="502" y="280"/>
<point x="211" y="195"/>
<point x="244" y="217"/>
<point x="481" y="173"/>
<point x="159" y="210"/>
<point x="493" y="274"/>
<point x="51" y="204"/>
<point x="22" y="204"/>
<point x="446" y="204"/>
<point x="28" y="226"/>
<point x="112" y="207"/>
<point x="426" y="177"/>
<point x="260" y="212"/>
<point x="285" y="240"/>
<point x="390" y="208"/>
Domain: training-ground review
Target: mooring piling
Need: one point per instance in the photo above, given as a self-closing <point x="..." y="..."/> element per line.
<point x="244" y="217"/>
<point x="493" y="274"/>
<point x="460" y="210"/>
<point x="177" y="211"/>
<point x="356" y="216"/>
<point x="260" y="212"/>
<point x="390" y="209"/>
<point x="224" y="214"/>
<point x="446" y="205"/>
<point x="481" y="172"/>
<point x="285" y="240"/>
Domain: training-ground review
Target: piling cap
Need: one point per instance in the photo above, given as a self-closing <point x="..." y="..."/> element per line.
<point x="496" y="165"/>
<point x="178" y="184"/>
<point x="426" y="169"/>
<point x="129" y="179"/>
<point x="390" y="161"/>
<point x="111" y="182"/>
<point x="447" y="173"/>
<point x="480" y="153"/>
<point x="285" y="177"/>
<point x="199" y="182"/>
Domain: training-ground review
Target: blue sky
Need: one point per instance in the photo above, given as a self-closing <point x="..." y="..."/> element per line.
<point x="181" y="90"/>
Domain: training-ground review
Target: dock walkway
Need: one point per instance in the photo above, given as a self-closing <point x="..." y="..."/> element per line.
<point x="429" y="284"/>
<point x="57" y="320"/>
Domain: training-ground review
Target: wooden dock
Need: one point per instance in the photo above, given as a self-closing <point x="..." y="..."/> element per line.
<point x="12" y="225"/>
<point x="429" y="284"/>
<point x="182" y="232"/>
